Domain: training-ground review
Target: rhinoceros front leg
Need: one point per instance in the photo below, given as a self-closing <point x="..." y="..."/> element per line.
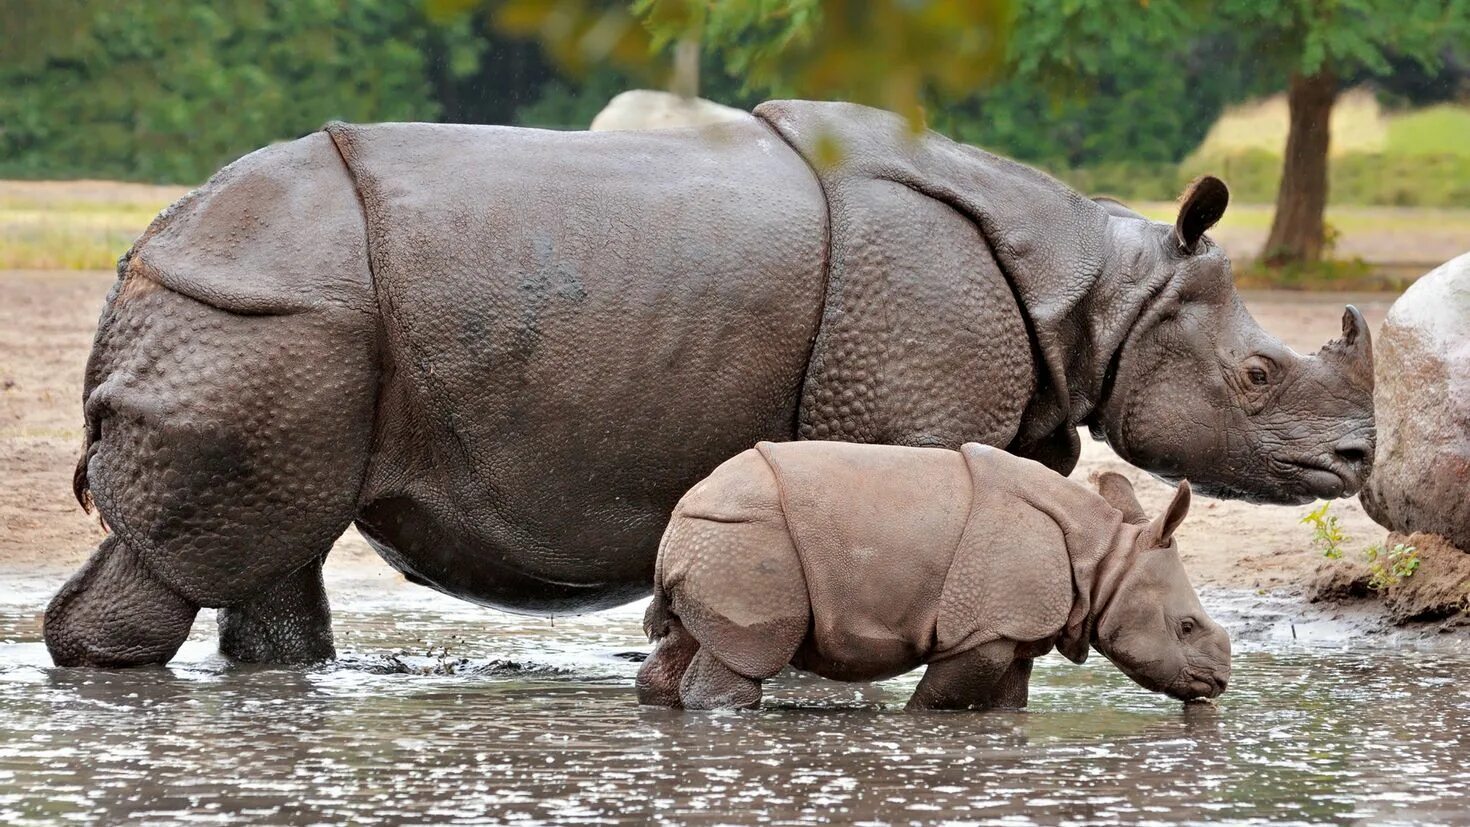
<point x="975" y="679"/>
<point x="288" y="623"/>
<point x="1014" y="689"/>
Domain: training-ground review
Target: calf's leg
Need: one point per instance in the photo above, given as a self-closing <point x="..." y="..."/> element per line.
<point x="660" y="676"/>
<point x="1013" y="690"/>
<point x="968" y="680"/>
<point x="710" y="684"/>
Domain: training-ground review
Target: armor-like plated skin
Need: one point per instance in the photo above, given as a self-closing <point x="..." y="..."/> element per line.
<point x="506" y="353"/>
<point x="860" y="562"/>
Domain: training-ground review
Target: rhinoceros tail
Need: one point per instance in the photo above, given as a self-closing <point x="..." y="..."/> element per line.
<point x="79" y="477"/>
<point x="659" y="617"/>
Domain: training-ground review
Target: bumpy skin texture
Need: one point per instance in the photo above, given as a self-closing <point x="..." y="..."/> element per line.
<point x="229" y="398"/>
<point x="859" y="562"/>
<point x="506" y="353"/>
<point x="290" y="622"/>
<point x="1421" y="474"/>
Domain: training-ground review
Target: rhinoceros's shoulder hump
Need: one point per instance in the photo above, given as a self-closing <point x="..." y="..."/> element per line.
<point x="278" y="231"/>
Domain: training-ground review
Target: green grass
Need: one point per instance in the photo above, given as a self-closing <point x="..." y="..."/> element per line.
<point x="1418" y="158"/>
<point x="1437" y="130"/>
<point x="74" y="225"/>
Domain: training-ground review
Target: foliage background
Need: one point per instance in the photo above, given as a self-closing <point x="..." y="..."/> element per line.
<point x="1113" y="96"/>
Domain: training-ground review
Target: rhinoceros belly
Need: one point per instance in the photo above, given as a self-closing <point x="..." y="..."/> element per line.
<point x="578" y="327"/>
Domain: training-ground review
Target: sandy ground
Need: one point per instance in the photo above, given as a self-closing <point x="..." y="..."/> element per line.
<point x="46" y="325"/>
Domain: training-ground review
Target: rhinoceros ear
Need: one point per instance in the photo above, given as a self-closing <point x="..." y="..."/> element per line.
<point x="1118" y="491"/>
<point x="1200" y="207"/>
<point x="1161" y="530"/>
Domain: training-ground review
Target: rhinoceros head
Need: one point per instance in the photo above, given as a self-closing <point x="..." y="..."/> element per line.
<point x="1150" y="623"/>
<point x="1199" y="390"/>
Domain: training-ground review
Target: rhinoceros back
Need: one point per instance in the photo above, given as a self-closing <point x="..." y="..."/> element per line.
<point x="579" y="326"/>
<point x="876" y="528"/>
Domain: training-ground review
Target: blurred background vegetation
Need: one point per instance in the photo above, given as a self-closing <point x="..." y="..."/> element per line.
<point x="1127" y="97"/>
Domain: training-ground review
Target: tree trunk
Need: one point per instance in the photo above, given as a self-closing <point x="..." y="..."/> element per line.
<point x="1297" y="231"/>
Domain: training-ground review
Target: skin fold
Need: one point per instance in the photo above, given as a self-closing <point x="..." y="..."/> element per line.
<point x="504" y="354"/>
<point x="860" y="562"/>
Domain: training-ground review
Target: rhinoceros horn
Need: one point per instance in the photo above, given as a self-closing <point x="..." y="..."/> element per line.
<point x="1353" y="352"/>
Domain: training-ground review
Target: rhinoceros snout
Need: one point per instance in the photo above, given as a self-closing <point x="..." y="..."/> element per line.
<point x="1355" y="454"/>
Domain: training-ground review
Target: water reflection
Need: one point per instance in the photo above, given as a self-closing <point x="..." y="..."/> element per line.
<point x="511" y="718"/>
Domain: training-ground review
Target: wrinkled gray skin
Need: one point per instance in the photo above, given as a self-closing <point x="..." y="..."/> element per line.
<point x="504" y="354"/>
<point x="1269" y="425"/>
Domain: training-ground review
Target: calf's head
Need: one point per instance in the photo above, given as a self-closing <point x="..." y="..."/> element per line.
<point x="1150" y="623"/>
<point x="1199" y="390"/>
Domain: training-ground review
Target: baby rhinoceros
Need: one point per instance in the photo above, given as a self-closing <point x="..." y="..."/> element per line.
<point x="861" y="562"/>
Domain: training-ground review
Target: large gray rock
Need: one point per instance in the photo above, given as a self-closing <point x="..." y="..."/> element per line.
<point x="1421" y="474"/>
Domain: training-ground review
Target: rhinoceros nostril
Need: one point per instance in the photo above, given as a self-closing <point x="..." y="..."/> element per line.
<point x="1355" y="452"/>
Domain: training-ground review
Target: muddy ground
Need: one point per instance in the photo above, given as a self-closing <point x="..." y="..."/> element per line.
<point x="46" y="324"/>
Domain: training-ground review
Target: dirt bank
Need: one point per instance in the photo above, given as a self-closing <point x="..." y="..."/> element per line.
<point x="46" y="325"/>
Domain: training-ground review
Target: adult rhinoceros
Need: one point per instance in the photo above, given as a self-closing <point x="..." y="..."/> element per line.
<point x="506" y="353"/>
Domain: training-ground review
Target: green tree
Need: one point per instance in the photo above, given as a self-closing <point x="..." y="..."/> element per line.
<point x="1092" y="81"/>
<point x="891" y="53"/>
<point x="171" y="90"/>
<point x="1312" y="46"/>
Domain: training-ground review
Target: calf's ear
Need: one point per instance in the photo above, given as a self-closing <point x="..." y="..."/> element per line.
<point x="1200" y="207"/>
<point x="1161" y="530"/>
<point x="1118" y="491"/>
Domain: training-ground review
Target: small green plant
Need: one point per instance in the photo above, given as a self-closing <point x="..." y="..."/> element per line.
<point x="1391" y="567"/>
<point x="1327" y="534"/>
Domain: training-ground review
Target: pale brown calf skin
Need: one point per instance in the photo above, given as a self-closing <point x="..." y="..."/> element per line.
<point x="860" y="562"/>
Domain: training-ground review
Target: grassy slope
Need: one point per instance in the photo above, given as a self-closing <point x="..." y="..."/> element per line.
<point x="74" y="225"/>
<point x="86" y="225"/>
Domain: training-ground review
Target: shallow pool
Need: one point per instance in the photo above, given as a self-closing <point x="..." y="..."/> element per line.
<point x="440" y="712"/>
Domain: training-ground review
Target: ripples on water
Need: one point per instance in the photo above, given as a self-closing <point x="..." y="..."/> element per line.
<point x="520" y="721"/>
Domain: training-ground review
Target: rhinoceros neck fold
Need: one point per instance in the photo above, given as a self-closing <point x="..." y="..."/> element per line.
<point x="1112" y="564"/>
<point x="1054" y="249"/>
<point x="1090" y="528"/>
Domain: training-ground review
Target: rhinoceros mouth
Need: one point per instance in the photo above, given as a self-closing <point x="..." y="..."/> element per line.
<point x="1325" y="481"/>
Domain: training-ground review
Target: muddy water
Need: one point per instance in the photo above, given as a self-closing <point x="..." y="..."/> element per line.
<point x="443" y="713"/>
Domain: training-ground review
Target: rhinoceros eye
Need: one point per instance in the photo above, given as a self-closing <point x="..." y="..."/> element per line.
<point x="1186" y="626"/>
<point x="1257" y="376"/>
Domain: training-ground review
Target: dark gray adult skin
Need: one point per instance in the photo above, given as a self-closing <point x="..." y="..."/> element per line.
<point x="506" y="353"/>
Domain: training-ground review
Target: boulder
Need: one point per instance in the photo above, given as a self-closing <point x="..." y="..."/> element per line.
<point x="649" y="109"/>
<point x="1421" y="472"/>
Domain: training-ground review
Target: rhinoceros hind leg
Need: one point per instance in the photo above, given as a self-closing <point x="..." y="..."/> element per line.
<point x="115" y="612"/>
<point x="289" y="622"/>
<point x="710" y="684"/>
<point x="661" y="675"/>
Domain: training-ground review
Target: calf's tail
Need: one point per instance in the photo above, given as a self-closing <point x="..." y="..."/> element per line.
<point x="659" y="616"/>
